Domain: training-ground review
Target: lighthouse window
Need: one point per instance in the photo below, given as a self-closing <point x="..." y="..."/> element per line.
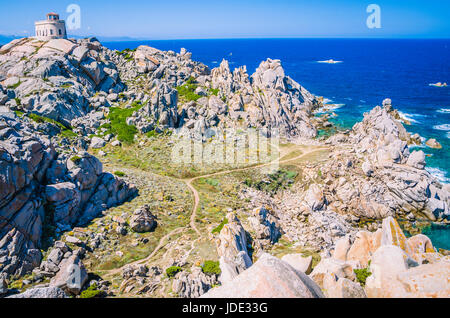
<point x="51" y="32"/>
<point x="60" y="33"/>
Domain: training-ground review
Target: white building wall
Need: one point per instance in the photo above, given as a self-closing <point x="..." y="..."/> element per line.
<point x="48" y="30"/>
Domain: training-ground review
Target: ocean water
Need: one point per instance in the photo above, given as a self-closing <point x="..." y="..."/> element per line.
<point x="370" y="71"/>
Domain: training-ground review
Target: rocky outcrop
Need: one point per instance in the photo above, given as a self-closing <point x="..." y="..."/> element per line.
<point x="71" y="276"/>
<point x="398" y="267"/>
<point x="143" y="220"/>
<point x="58" y="78"/>
<point x="266" y="227"/>
<point x="42" y="293"/>
<point x="36" y="180"/>
<point x="385" y="179"/>
<point x="299" y="262"/>
<point x="193" y="285"/>
<point x="232" y="249"/>
<point x="269" y="277"/>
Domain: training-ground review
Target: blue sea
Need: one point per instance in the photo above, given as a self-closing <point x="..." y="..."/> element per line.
<point x="371" y="70"/>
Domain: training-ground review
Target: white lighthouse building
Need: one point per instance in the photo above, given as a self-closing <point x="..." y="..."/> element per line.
<point x="52" y="28"/>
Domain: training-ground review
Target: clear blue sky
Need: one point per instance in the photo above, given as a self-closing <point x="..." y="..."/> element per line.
<point x="178" y="19"/>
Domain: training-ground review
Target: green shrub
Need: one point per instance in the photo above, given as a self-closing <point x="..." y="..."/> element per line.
<point x="92" y="292"/>
<point x="120" y="174"/>
<point x="118" y="125"/>
<point x="152" y="134"/>
<point x="172" y="271"/>
<point x="362" y="275"/>
<point x="220" y="227"/>
<point x="211" y="268"/>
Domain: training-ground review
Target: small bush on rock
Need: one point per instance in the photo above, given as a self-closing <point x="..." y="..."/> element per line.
<point x="211" y="268"/>
<point x="172" y="271"/>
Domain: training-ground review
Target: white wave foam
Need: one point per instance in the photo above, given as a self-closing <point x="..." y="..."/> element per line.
<point x="438" y="174"/>
<point x="444" y="127"/>
<point x="409" y="117"/>
<point x="444" y="111"/>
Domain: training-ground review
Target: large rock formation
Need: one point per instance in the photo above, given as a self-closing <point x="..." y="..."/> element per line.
<point x="232" y="249"/>
<point x="40" y="187"/>
<point x="398" y="267"/>
<point x="384" y="178"/>
<point x="269" y="277"/>
<point x="57" y="79"/>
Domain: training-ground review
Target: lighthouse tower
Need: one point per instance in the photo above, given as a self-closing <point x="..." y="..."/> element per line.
<point x="52" y="28"/>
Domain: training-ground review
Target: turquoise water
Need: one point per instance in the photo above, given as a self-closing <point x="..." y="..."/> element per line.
<point x="439" y="235"/>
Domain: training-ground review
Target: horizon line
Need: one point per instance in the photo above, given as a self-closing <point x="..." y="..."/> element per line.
<point x="133" y="39"/>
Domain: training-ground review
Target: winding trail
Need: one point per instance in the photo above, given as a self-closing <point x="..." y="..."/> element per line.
<point x="197" y="196"/>
<point x="189" y="183"/>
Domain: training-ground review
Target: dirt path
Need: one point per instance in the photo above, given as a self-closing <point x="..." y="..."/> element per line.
<point x="189" y="183"/>
<point x="197" y="196"/>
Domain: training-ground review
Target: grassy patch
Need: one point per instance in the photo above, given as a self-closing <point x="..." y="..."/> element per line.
<point x="118" y="125"/>
<point x="120" y="174"/>
<point x="14" y="86"/>
<point x="187" y="91"/>
<point x="75" y="159"/>
<point x="92" y="292"/>
<point x="67" y="85"/>
<point x="66" y="131"/>
<point x="212" y="182"/>
<point x="214" y="91"/>
<point x="220" y="227"/>
<point x="280" y="180"/>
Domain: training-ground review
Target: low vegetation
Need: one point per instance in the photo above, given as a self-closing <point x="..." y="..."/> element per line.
<point x="118" y="123"/>
<point x="92" y="292"/>
<point x="211" y="268"/>
<point x="218" y="229"/>
<point x="173" y="270"/>
<point x="362" y="275"/>
<point x="280" y="180"/>
<point x="66" y="131"/>
<point x="187" y="91"/>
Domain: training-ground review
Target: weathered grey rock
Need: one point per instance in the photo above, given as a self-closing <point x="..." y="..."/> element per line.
<point x="193" y="285"/>
<point x="32" y="176"/>
<point x="45" y="292"/>
<point x="335" y="287"/>
<point x="269" y="277"/>
<point x="97" y="143"/>
<point x="299" y="262"/>
<point x="143" y="220"/>
<point x="232" y="249"/>
<point x="417" y="160"/>
<point x="71" y="277"/>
